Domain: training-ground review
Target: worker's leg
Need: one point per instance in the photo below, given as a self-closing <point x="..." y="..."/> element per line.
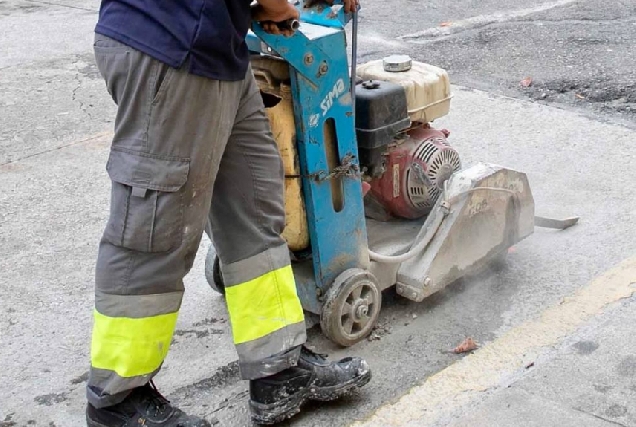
<point x="170" y="133"/>
<point x="247" y="218"/>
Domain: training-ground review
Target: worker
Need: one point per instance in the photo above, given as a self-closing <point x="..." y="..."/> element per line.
<point x="192" y="151"/>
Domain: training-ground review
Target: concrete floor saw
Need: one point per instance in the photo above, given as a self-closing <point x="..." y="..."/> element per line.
<point x="376" y="196"/>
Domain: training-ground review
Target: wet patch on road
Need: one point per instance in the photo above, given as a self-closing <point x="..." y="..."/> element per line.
<point x="8" y="421"/>
<point x="198" y="333"/>
<point x="616" y="411"/>
<point x="627" y="366"/>
<point x="585" y="347"/>
<point x="89" y="70"/>
<point x="603" y="388"/>
<point x="209" y="321"/>
<point x="81" y="379"/>
<point x="224" y="376"/>
<point x="51" y="399"/>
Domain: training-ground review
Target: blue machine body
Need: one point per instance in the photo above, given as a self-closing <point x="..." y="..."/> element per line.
<point x="321" y="90"/>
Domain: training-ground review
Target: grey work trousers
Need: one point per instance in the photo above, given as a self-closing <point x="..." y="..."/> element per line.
<point x="189" y="153"/>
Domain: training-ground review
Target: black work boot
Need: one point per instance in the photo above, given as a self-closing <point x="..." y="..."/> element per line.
<point x="276" y="398"/>
<point x="144" y="406"/>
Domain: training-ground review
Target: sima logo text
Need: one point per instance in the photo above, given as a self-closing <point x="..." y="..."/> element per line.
<point x="335" y="93"/>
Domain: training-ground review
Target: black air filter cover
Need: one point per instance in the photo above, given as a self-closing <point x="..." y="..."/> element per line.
<point x="381" y="113"/>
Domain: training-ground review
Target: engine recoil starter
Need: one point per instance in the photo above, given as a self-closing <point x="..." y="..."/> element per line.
<point x="417" y="166"/>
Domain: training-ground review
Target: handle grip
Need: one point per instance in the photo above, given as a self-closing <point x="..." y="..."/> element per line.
<point x="290" y="24"/>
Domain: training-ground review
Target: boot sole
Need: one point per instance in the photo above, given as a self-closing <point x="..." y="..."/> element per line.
<point x="275" y="413"/>
<point x="280" y="411"/>
<point x="93" y="423"/>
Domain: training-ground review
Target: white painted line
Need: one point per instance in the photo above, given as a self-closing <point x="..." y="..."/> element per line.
<point x="482" y="20"/>
<point x="491" y="365"/>
<point x="374" y="39"/>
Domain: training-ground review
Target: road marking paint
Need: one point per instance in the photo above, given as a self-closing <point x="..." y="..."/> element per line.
<point x="489" y="366"/>
<point x="482" y="20"/>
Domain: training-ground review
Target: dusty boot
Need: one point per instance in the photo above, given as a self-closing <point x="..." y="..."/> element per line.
<point x="276" y="398"/>
<point x="145" y="406"/>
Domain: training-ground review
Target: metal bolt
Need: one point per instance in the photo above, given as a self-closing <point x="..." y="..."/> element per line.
<point x="323" y="68"/>
<point x="362" y="311"/>
<point x="309" y="59"/>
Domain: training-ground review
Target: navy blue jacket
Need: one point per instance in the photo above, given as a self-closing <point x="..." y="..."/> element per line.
<point x="210" y="32"/>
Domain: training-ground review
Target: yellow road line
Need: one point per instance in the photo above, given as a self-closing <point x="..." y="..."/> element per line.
<point x="487" y="367"/>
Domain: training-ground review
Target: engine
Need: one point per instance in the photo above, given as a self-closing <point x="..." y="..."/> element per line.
<point x="417" y="166"/>
<point x="405" y="161"/>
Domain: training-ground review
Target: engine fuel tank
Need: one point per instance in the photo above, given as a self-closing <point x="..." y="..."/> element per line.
<point x="427" y="88"/>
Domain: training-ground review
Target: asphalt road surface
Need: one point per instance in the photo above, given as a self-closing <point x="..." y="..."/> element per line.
<point x="571" y="130"/>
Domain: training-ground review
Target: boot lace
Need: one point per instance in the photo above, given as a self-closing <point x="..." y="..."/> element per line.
<point x="310" y="354"/>
<point x="155" y="399"/>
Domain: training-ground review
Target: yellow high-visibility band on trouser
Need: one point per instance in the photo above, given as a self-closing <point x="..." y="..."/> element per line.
<point x="264" y="305"/>
<point x="267" y="318"/>
<point x="131" y="347"/>
<point x="131" y="337"/>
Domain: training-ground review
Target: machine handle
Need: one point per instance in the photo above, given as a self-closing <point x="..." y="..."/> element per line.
<point x="354" y="61"/>
<point x="290" y="24"/>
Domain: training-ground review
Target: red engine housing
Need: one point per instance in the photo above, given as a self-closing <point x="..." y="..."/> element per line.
<point x="416" y="168"/>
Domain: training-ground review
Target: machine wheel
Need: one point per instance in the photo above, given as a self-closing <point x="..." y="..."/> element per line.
<point x="213" y="272"/>
<point x="351" y="307"/>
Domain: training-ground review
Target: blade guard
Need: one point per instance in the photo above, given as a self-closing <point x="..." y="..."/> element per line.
<point x="481" y="224"/>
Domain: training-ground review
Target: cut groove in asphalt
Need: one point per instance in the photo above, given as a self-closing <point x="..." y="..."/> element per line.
<point x="60" y="147"/>
<point x="600" y="418"/>
<point x="50" y="3"/>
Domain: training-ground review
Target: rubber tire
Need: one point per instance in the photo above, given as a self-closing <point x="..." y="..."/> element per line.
<point x="213" y="272"/>
<point x="330" y="318"/>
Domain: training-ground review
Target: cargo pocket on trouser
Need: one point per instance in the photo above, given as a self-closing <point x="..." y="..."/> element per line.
<point x="146" y="212"/>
